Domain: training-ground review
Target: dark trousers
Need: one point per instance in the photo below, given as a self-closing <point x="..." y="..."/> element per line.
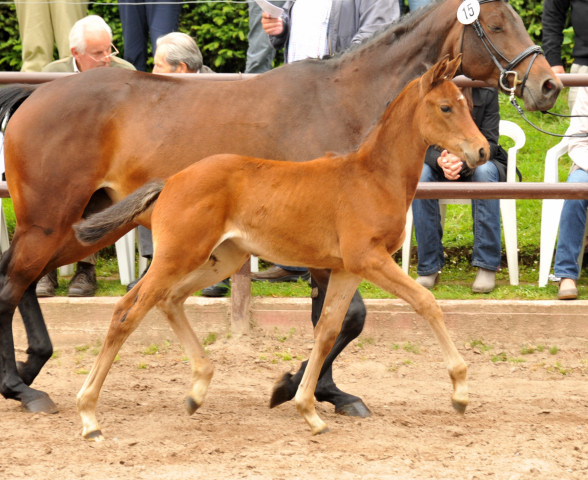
<point x="142" y="23"/>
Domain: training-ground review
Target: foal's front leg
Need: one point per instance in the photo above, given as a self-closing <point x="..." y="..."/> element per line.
<point x="342" y="286"/>
<point x="383" y="271"/>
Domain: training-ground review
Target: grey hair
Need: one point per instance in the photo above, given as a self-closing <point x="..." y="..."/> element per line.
<point x="181" y="48"/>
<point x="91" y="23"/>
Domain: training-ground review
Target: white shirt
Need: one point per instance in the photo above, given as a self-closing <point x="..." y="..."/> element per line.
<point x="309" y="25"/>
<point x="578" y="146"/>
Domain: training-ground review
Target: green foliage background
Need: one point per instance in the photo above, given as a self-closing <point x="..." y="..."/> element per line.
<point x="220" y="28"/>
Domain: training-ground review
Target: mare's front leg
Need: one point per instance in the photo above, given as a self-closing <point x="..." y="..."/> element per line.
<point x="340" y="291"/>
<point x="326" y="389"/>
<point x="382" y="270"/>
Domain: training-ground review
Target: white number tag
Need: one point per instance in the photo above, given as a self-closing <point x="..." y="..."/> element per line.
<point x="468" y="11"/>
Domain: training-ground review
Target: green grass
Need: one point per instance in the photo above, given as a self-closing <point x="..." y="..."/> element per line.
<point x="457" y="276"/>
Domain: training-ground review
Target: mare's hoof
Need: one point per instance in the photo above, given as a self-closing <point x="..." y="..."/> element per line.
<point x="282" y="392"/>
<point x="459" y="407"/>
<point x="42" y="404"/>
<point x="354" y="409"/>
<point x="95" y="436"/>
<point x="191" y="405"/>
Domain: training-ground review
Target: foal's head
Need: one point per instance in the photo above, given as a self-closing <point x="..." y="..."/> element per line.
<point x="443" y="117"/>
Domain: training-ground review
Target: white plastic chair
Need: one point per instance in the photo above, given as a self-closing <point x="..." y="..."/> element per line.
<point x="507" y="207"/>
<point x="551" y="213"/>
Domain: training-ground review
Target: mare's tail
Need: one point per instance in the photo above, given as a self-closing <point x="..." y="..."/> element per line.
<point x="95" y="227"/>
<point x="12" y="96"/>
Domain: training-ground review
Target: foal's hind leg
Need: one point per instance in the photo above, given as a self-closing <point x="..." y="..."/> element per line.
<point x="128" y="313"/>
<point x="326" y="389"/>
<point x="342" y="286"/>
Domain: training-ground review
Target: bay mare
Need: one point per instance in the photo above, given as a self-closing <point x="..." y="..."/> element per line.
<point x="76" y="145"/>
<point x="210" y="216"/>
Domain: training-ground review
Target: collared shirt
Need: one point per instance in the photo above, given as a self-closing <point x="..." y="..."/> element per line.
<point x="308" y="34"/>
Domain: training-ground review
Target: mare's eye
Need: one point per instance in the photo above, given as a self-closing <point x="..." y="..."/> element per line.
<point x="445" y="108"/>
<point x="495" y="28"/>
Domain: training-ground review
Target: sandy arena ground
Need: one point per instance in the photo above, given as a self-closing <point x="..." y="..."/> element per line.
<point x="528" y="416"/>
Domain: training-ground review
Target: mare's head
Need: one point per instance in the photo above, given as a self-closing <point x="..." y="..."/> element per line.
<point x="498" y="50"/>
<point x="443" y="117"/>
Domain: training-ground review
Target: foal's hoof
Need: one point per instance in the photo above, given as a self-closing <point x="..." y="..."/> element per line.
<point x="95" y="436"/>
<point x="282" y="392"/>
<point x="42" y="404"/>
<point x="191" y="405"/>
<point x="354" y="409"/>
<point x="459" y="407"/>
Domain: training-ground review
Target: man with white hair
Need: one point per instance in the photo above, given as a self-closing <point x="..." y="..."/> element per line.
<point x="90" y="44"/>
<point x="177" y="52"/>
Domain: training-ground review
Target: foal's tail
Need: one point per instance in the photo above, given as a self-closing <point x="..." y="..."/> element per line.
<point x="12" y="96"/>
<point x="95" y="227"/>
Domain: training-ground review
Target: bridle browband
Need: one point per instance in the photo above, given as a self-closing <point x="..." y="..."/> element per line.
<point x="506" y="72"/>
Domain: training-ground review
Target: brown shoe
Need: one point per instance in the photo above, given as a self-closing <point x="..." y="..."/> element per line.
<point x="278" y="274"/>
<point x="47" y="285"/>
<point x="83" y="283"/>
<point x="567" y="289"/>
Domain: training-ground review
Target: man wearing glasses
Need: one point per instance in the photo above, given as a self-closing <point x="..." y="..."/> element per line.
<point x="90" y="42"/>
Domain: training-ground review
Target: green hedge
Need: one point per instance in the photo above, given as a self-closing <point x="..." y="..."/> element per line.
<point x="221" y="31"/>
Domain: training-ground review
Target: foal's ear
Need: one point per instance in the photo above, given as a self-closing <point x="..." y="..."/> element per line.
<point x="444" y="69"/>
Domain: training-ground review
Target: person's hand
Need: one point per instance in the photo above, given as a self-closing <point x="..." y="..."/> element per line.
<point x="558" y="69"/>
<point x="450" y="164"/>
<point x="271" y="25"/>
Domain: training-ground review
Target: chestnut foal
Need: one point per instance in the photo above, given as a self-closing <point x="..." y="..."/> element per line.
<point x="211" y="216"/>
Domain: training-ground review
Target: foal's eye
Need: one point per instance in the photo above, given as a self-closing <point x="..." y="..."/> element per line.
<point x="445" y="108"/>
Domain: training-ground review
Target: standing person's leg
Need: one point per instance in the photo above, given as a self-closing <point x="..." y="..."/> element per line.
<point x="162" y="19"/>
<point x="429" y="234"/>
<point x="572" y="225"/>
<point x="145" y="250"/>
<point x="63" y="15"/>
<point x="83" y="283"/>
<point x="260" y="53"/>
<point x="36" y="34"/>
<point x="135" y="33"/>
<point x="486" y="252"/>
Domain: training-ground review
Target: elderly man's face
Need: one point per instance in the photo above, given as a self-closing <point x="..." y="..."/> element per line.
<point x="161" y="66"/>
<point x="98" y="49"/>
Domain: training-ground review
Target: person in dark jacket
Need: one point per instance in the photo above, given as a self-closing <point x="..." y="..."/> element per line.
<point x="555" y="15"/>
<point x="443" y="166"/>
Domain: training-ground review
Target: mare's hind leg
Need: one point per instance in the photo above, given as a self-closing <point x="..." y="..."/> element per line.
<point x="40" y="348"/>
<point x="326" y="389"/>
<point x="389" y="276"/>
<point x="340" y="291"/>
